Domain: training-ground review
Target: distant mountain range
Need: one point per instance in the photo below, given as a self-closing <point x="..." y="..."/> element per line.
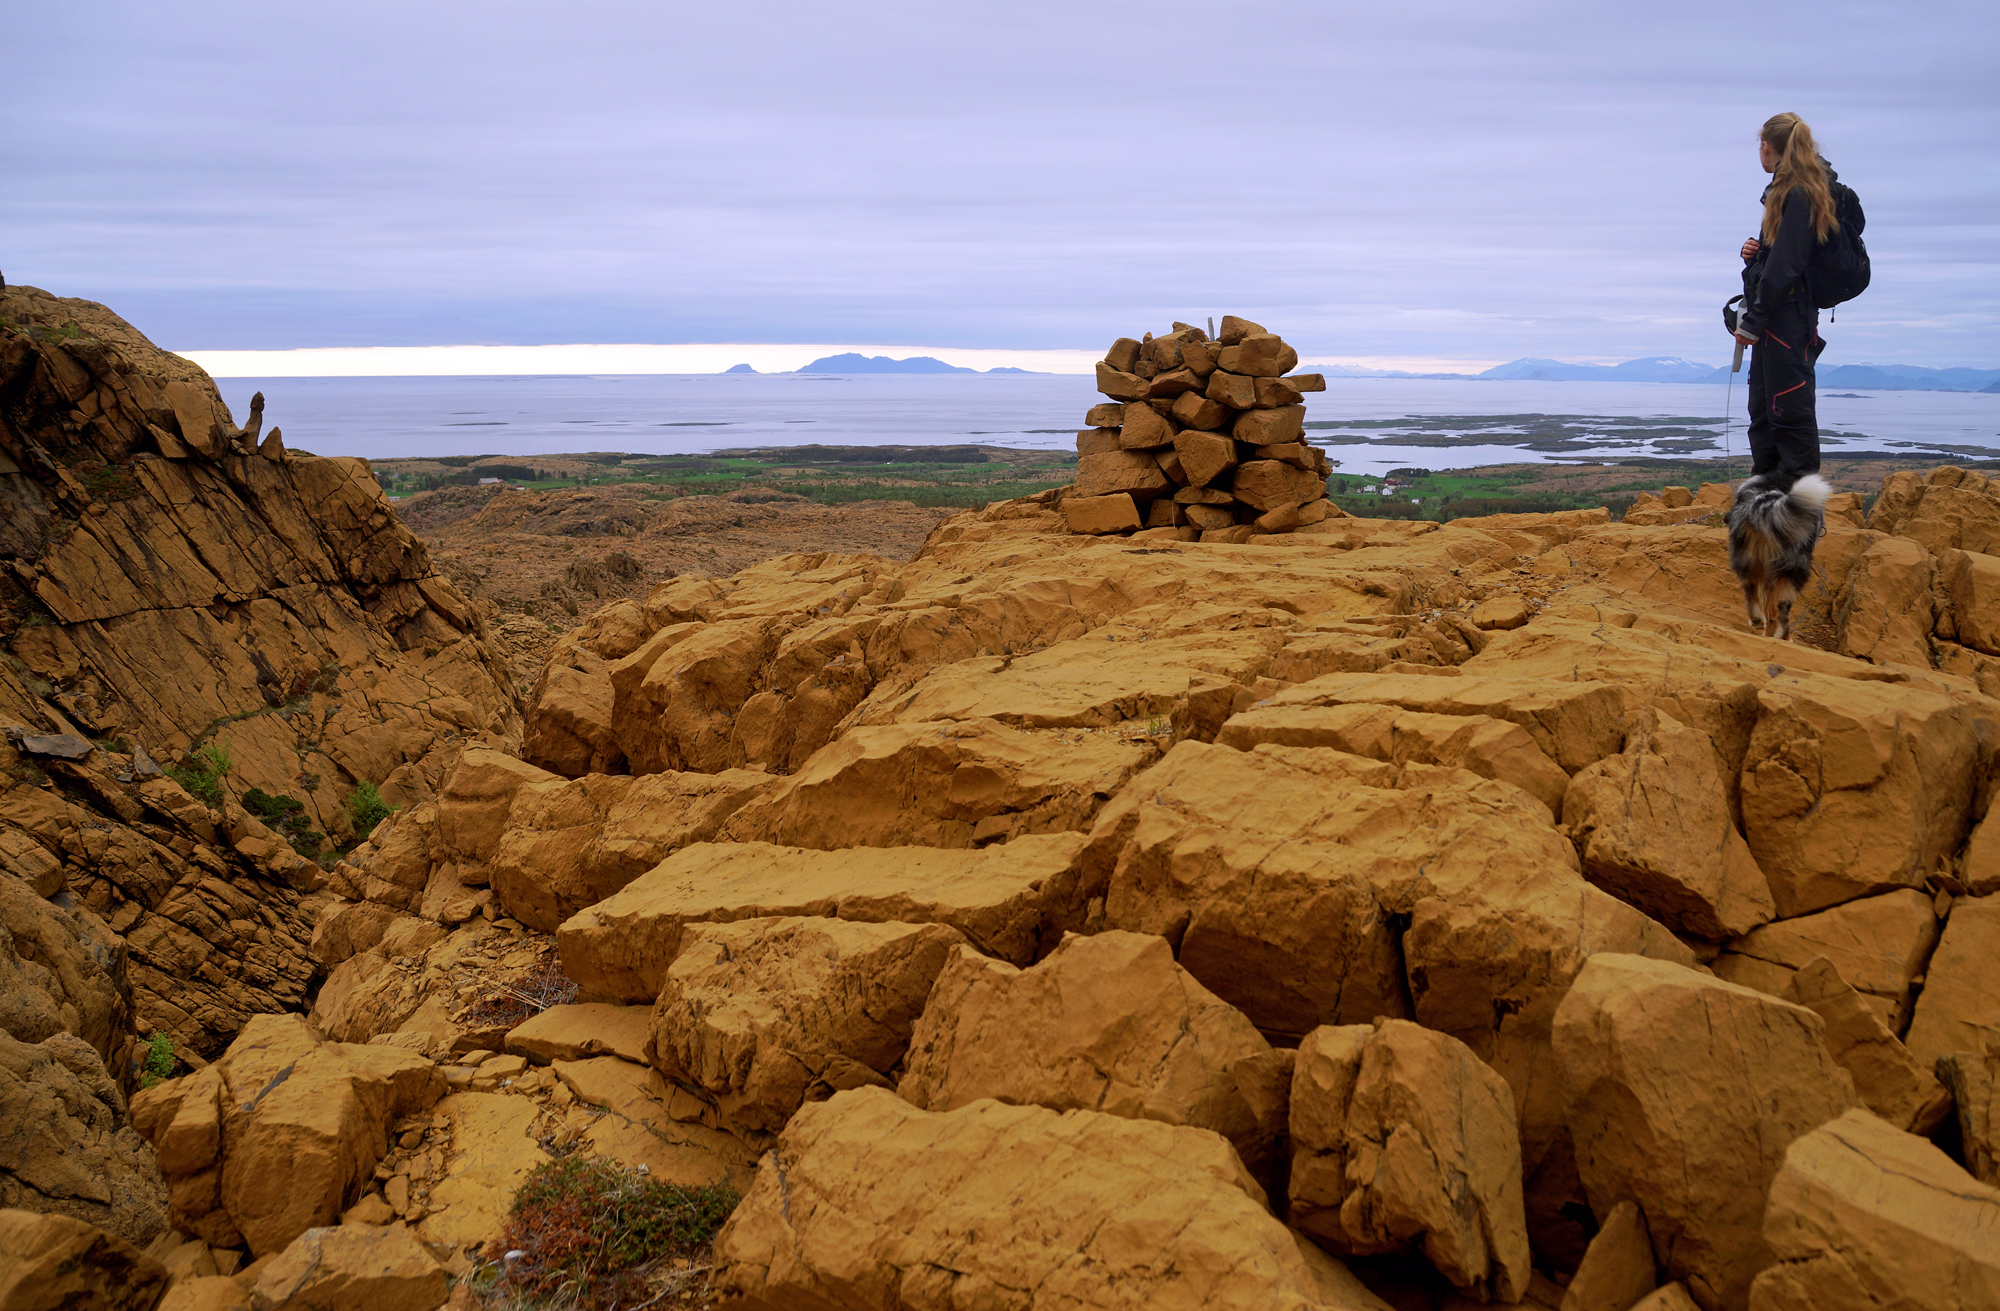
<point x="853" y="363"/>
<point x="1667" y="368"/>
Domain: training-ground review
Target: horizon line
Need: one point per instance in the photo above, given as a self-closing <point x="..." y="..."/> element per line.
<point x="585" y="358"/>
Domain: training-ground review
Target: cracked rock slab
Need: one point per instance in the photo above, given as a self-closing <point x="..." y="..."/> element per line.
<point x="870" y="1204"/>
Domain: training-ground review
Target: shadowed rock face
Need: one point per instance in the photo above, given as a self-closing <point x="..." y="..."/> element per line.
<point x="172" y="582"/>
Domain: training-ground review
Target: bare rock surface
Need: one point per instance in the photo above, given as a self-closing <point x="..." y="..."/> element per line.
<point x="1879" y="944"/>
<point x="578" y="1030"/>
<point x="57" y="1261"/>
<point x="1104" y="1023"/>
<point x="1683" y="1092"/>
<point x="994" y="1206"/>
<point x="1956" y="1011"/>
<point x="1004" y="899"/>
<point x="1618" y="1269"/>
<point x="764" y="1015"/>
<point x="958" y="784"/>
<point x="569" y="845"/>
<point x="1865" y="1216"/>
<point x="1653" y="827"/>
<point x="278" y="1135"/>
<point x="1974" y="1084"/>
<point x="349" y="1268"/>
<point x="1890" y="1082"/>
<point x="1853" y="788"/>
<point x="1402" y="1137"/>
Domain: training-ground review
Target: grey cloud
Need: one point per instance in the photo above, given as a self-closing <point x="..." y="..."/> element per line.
<point x="1462" y="180"/>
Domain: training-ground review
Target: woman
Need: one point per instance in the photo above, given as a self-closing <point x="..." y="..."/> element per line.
<point x="1779" y="321"/>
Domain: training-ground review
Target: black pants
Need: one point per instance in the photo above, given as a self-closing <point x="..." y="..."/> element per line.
<point x="1784" y="413"/>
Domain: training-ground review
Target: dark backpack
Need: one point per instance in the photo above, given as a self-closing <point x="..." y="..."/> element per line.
<point x="1838" y="270"/>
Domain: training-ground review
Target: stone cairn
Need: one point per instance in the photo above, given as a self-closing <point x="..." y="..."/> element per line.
<point x="1201" y="440"/>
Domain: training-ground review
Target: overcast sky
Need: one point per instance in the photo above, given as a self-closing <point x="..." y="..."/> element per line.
<point x="1417" y="182"/>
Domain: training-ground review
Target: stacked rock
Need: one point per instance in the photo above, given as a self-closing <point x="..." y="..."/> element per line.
<point x="1201" y="440"/>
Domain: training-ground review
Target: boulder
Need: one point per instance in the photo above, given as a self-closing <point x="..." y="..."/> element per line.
<point x="1402" y="1138"/>
<point x="1235" y="329"/>
<point x="352" y="1268"/>
<point x="1617" y="1269"/>
<point x="571" y="730"/>
<point x="1231" y="389"/>
<point x="1205" y="456"/>
<point x="764" y="1015"/>
<point x="1974" y="1084"/>
<point x="571" y="844"/>
<point x="1682" y="1093"/>
<point x="1972" y="580"/>
<point x="1504" y="613"/>
<point x="1005" y="899"/>
<point x="579" y="1030"/>
<point x="474" y="802"/>
<point x="1104" y="1023"/>
<point x="1281" y="875"/>
<point x="1652" y="825"/>
<point x="68" y="1148"/>
<point x="1878" y="944"/>
<point x="57" y="1262"/>
<point x="1267" y="484"/>
<point x="279" y="1135"/>
<point x="1851" y="788"/>
<point x="959" y="784"/>
<point x="1575" y="723"/>
<point x="1305" y="886"/>
<point x="1889" y="1081"/>
<point x="1955" y="1011"/>
<point x="1864" y="1216"/>
<point x="1491" y="748"/>
<point x="1123" y="355"/>
<point x="1124" y="471"/>
<point x="868" y="1202"/>
<point x="1884" y="611"/>
<point x="1112" y="513"/>
<point x="1946" y="509"/>
<point x="1144" y="428"/>
<point x="1261" y="355"/>
<point x="1194" y="409"/>
<point x="1119" y="385"/>
<point x="1096" y="441"/>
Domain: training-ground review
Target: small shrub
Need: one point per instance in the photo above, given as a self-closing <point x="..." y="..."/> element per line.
<point x="202" y="772"/>
<point x="593" y="1230"/>
<point x="288" y="816"/>
<point x="367" y="808"/>
<point x="159" y="1063"/>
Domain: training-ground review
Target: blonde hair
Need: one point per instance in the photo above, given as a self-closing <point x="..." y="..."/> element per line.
<point x="1799" y="165"/>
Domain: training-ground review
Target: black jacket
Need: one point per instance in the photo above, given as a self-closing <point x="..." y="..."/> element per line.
<point x="1777" y="272"/>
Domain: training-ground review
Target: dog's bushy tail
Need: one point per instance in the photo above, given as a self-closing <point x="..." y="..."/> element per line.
<point x="1787" y="516"/>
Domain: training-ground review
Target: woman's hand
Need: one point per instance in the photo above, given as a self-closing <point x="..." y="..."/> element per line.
<point x="1750" y="249"/>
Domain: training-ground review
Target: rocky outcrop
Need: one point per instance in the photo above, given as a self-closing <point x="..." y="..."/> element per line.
<point x="1401" y="1137"/>
<point x="57" y="1261"/>
<point x="1653" y="828"/>
<point x="1006" y="900"/>
<point x="352" y="1266"/>
<point x="67" y="1146"/>
<point x="868" y="1202"/>
<point x="278" y="1136"/>
<point x="766" y="1014"/>
<point x="1104" y="1023"/>
<point x="1682" y="1092"/>
<point x="178" y="596"/>
<point x="1865" y="1216"/>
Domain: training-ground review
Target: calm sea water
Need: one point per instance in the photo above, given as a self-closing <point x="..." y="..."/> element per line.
<point x="1381" y="423"/>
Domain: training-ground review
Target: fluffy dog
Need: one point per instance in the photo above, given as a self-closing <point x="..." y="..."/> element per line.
<point x="1772" y="532"/>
